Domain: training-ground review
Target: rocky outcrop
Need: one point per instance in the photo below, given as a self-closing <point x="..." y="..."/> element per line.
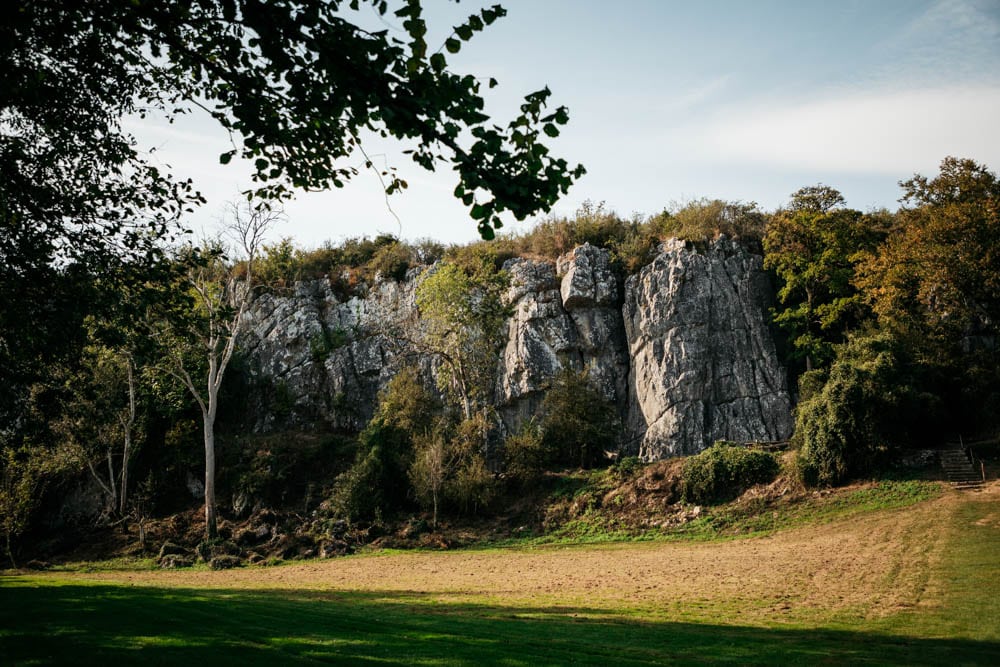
<point x="571" y="322"/>
<point x="682" y="348"/>
<point x="703" y="364"/>
<point x="591" y="294"/>
<point x="316" y="359"/>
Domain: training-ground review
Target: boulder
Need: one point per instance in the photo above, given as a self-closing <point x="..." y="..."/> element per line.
<point x="225" y="562"/>
<point x="174" y="561"/>
<point x="171" y="549"/>
<point x="588" y="280"/>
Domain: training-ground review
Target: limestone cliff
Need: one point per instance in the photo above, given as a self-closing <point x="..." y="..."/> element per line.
<point x="703" y="364"/>
<point x="682" y="348"/>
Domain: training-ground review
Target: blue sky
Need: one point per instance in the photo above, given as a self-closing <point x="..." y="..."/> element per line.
<point x="671" y="101"/>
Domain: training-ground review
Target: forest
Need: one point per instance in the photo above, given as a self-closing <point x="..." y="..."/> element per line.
<point x="885" y="322"/>
<point x="129" y="403"/>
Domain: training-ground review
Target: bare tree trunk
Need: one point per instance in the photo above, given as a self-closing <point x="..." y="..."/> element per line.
<point x="127" y="447"/>
<point x="211" y="527"/>
<point x="463" y="385"/>
<point x="112" y="489"/>
<point x="208" y="423"/>
<point x="248" y="228"/>
<point x="10" y="552"/>
<point x="99" y="479"/>
<point x="122" y="495"/>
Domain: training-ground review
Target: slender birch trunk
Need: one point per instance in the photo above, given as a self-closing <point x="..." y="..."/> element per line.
<point x="127" y="426"/>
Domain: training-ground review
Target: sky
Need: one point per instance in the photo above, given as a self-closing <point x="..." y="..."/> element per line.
<point x="675" y="100"/>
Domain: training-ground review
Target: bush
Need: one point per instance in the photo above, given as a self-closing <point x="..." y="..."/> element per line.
<point x="429" y="471"/>
<point x="427" y="251"/>
<point x="867" y="407"/>
<point x="627" y="467"/>
<point x="470" y="486"/>
<point x="378" y="481"/>
<point x="277" y="266"/>
<point x="722" y="472"/>
<point x="578" y="423"/>
<point x="391" y="262"/>
<point x="524" y="453"/>
<point x="704" y="219"/>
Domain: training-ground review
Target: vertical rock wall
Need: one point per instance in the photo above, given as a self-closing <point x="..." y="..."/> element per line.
<point x="566" y="316"/>
<point x="703" y="363"/>
<point x="682" y="349"/>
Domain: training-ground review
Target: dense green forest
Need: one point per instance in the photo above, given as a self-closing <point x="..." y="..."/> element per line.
<point x="888" y="322"/>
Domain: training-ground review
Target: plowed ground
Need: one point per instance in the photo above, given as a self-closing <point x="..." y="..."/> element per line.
<point x="865" y="567"/>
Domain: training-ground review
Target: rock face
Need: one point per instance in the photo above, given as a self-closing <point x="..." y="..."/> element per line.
<point x="704" y="366"/>
<point x="682" y="349"/>
<point x="569" y="323"/>
<point x="320" y="360"/>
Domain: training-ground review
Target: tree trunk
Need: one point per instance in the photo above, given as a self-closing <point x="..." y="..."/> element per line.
<point x="10" y="552"/>
<point x="211" y="528"/>
<point x="122" y="496"/>
<point x="464" y="389"/>
<point x="111" y="482"/>
<point x="127" y="447"/>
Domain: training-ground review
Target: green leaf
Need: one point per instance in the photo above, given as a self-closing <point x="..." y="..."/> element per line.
<point x="226" y="157"/>
<point x="550" y="130"/>
<point x="452" y="45"/>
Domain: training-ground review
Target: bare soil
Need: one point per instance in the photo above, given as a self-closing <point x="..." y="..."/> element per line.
<point x="863" y="567"/>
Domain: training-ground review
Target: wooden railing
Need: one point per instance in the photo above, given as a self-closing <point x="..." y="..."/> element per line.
<point x="974" y="460"/>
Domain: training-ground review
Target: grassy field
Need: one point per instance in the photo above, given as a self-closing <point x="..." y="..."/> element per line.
<point x="861" y="584"/>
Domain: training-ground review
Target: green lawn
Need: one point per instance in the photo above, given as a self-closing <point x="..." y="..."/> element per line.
<point x="59" y="620"/>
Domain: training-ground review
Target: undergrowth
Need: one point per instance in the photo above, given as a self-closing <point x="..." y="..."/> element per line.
<point x="760" y="511"/>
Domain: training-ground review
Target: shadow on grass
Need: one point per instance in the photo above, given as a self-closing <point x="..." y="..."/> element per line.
<point x="111" y="625"/>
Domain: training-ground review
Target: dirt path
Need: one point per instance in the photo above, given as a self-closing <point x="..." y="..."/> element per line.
<point x="865" y="566"/>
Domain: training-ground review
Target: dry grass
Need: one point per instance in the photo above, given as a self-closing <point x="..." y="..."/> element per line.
<point x="862" y="567"/>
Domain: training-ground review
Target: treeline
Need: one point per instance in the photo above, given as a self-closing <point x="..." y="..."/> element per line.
<point x="632" y="242"/>
<point x="888" y="321"/>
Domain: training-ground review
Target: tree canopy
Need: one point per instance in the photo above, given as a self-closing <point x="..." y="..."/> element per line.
<point x="938" y="274"/>
<point x="298" y="84"/>
<point x="814" y="246"/>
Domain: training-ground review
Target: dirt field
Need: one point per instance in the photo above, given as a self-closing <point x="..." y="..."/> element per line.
<point x="864" y="567"/>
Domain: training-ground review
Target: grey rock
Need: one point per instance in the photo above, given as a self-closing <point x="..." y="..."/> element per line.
<point x="704" y="367"/>
<point x="317" y="360"/>
<point x="175" y="561"/>
<point x="571" y="323"/>
<point x="683" y="349"/>
<point x="541" y="340"/>
<point x="225" y="562"/>
<point x="587" y="278"/>
<point x="171" y="549"/>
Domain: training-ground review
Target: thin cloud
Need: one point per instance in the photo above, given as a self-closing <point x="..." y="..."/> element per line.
<point x="952" y="40"/>
<point x="869" y="132"/>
